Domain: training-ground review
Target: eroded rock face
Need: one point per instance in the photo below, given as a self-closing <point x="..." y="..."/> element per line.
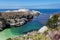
<point x="2" y="24"/>
<point x="16" y="18"/>
<point x="17" y="22"/>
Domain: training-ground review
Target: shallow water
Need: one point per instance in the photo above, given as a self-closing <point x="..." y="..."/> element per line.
<point x="35" y="24"/>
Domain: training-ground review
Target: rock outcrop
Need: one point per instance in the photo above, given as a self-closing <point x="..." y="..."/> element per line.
<point x="16" y="17"/>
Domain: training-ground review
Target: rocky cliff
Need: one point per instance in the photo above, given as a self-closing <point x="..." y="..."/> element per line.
<point x="16" y="17"/>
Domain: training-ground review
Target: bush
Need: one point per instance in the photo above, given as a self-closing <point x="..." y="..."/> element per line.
<point x="9" y="39"/>
<point x="53" y="22"/>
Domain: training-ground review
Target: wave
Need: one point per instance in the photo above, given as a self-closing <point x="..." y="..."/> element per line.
<point x="35" y="11"/>
<point x="19" y="10"/>
<point x="23" y="10"/>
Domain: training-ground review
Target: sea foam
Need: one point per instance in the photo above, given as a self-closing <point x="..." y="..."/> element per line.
<point x="19" y="10"/>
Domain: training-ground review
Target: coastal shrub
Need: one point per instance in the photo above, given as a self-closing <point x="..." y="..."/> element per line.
<point x="9" y="39"/>
<point x="33" y="37"/>
<point x="53" y="22"/>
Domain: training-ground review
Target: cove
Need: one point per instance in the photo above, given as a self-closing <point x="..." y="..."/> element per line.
<point x="35" y="24"/>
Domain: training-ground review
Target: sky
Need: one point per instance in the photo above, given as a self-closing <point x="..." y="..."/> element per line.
<point x="42" y="4"/>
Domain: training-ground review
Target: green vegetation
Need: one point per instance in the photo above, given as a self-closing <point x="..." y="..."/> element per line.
<point x="32" y="37"/>
<point x="53" y="22"/>
<point x="9" y="39"/>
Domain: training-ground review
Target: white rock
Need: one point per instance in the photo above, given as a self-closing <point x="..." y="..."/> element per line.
<point x="43" y="29"/>
<point x="51" y="16"/>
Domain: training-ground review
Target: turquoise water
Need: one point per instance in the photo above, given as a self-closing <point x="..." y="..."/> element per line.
<point x="13" y="32"/>
<point x="35" y="24"/>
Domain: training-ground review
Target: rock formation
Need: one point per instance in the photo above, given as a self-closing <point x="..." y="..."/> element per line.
<point x="16" y="17"/>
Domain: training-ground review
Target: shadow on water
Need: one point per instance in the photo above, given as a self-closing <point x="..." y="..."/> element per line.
<point x="35" y="24"/>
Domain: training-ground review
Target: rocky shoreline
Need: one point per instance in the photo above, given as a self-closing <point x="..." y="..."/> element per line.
<point x="15" y="18"/>
<point x="45" y="33"/>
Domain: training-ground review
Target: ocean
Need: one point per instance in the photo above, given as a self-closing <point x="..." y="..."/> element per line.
<point x="44" y="11"/>
<point x="35" y="24"/>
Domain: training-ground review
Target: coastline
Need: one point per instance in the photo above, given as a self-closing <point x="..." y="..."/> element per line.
<point x="16" y="31"/>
